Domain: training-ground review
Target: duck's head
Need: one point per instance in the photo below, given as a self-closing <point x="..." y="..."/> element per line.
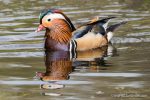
<point x="51" y="17"/>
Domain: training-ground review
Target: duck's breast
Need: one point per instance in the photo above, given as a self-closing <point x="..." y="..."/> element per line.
<point x="51" y="44"/>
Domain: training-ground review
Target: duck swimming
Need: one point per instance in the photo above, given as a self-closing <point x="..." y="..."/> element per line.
<point x="61" y="34"/>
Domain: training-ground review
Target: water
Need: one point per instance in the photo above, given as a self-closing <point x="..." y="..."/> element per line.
<point x="122" y="74"/>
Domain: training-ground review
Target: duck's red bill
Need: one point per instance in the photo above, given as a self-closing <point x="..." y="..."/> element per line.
<point x="40" y="28"/>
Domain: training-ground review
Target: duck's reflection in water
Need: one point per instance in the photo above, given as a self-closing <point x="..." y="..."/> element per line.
<point x="59" y="64"/>
<point x="58" y="67"/>
<point x="95" y="59"/>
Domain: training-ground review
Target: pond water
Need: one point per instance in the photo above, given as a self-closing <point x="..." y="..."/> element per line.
<point x="118" y="72"/>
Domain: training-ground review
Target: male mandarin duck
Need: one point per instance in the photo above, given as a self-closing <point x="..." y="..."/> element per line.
<point x="62" y="35"/>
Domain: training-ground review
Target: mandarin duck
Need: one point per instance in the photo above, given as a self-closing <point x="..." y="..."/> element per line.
<point x="62" y="35"/>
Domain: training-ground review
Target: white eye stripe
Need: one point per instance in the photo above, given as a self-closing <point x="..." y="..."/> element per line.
<point x="55" y="16"/>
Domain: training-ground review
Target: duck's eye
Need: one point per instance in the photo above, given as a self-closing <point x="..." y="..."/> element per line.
<point x="48" y="19"/>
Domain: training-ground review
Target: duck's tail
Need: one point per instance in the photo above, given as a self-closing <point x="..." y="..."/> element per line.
<point x="112" y="28"/>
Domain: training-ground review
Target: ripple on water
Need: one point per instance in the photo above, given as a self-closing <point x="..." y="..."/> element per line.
<point x="109" y="74"/>
<point x="10" y="24"/>
<point x="21" y="54"/>
<point x="139" y="34"/>
<point x="8" y="19"/>
<point x="135" y="84"/>
<point x="129" y="40"/>
<point x="29" y="36"/>
<point x="44" y="82"/>
<point x="20" y="46"/>
<point x="19" y="65"/>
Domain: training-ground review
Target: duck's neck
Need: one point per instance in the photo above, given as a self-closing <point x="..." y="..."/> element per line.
<point x="60" y="31"/>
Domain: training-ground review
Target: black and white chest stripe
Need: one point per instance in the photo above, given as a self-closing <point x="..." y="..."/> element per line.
<point x="72" y="49"/>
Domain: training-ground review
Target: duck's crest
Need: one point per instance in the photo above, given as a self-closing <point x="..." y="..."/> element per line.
<point x="47" y="11"/>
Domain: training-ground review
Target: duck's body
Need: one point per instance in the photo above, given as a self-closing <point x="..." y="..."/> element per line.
<point x="90" y="41"/>
<point x="62" y="35"/>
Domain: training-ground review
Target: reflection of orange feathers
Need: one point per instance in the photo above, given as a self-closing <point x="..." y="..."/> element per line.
<point x="60" y="31"/>
<point x="58" y="70"/>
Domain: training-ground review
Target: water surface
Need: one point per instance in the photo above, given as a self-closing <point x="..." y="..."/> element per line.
<point x="120" y="71"/>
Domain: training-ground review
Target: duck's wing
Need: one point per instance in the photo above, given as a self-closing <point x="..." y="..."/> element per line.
<point x="81" y="31"/>
<point x="87" y="27"/>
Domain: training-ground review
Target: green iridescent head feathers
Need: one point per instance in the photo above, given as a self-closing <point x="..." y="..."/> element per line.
<point x="47" y="11"/>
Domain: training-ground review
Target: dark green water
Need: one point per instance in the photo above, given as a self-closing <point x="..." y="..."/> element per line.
<point x="122" y="75"/>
